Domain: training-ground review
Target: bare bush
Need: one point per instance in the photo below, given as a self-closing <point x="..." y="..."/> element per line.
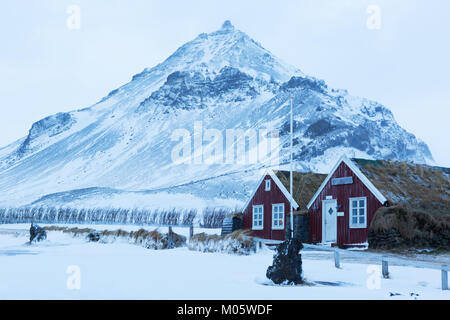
<point x="238" y="242"/>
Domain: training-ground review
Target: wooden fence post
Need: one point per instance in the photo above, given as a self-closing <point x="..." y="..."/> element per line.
<point x="337" y="259"/>
<point x="191" y="231"/>
<point x="170" y="238"/>
<point x="444" y="276"/>
<point x="385" y="268"/>
<point x="258" y="246"/>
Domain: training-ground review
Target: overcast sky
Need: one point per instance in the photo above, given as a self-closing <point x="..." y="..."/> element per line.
<point x="47" y="67"/>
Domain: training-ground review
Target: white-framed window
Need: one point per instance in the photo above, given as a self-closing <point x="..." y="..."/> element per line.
<point x="267" y="185"/>
<point x="358" y="213"/>
<point x="278" y="216"/>
<point x="258" y="218"/>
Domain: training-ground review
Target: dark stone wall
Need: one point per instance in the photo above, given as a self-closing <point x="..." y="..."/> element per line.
<point x="393" y="240"/>
<point x="301" y="228"/>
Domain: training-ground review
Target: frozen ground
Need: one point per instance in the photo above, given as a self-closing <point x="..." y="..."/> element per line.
<point x="126" y="271"/>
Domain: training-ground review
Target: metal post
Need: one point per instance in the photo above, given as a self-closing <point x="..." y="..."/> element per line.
<point x="290" y="177"/>
<point x="337" y="259"/>
<point x="444" y="273"/>
<point x="385" y="268"/>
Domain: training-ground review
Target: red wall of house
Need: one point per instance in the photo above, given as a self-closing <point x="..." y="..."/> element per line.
<point x="266" y="198"/>
<point x="342" y="193"/>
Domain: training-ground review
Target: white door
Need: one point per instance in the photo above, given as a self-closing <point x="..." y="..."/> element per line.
<point x="329" y="225"/>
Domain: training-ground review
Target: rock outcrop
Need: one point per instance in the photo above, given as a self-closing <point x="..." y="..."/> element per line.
<point x="287" y="263"/>
<point x="37" y="233"/>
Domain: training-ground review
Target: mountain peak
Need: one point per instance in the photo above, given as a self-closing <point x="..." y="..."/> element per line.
<point x="223" y="79"/>
<point x="231" y="47"/>
<point x="227" y="25"/>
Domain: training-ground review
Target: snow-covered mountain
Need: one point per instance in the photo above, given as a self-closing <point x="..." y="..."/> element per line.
<point x="118" y="152"/>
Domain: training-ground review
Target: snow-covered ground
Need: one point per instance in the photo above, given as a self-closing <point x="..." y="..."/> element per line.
<point x="49" y="270"/>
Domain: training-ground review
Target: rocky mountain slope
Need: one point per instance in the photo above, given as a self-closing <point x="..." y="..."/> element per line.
<point x="119" y="152"/>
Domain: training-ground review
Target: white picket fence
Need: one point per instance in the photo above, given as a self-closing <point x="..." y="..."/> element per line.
<point x="384" y="260"/>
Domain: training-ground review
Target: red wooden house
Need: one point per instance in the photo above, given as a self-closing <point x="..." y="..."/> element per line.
<point x="339" y="207"/>
<point x="341" y="210"/>
<point x="344" y="206"/>
<point x="266" y="213"/>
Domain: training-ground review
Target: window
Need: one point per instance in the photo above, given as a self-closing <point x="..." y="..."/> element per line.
<point x="267" y="185"/>
<point x="278" y="216"/>
<point x="358" y="213"/>
<point x="258" y="217"/>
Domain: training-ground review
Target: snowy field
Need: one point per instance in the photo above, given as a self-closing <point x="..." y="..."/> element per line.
<point x="63" y="267"/>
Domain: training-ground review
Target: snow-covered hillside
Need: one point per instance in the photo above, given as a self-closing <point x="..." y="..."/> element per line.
<point x="120" y="149"/>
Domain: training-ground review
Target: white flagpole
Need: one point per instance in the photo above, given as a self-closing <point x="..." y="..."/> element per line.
<point x="290" y="177"/>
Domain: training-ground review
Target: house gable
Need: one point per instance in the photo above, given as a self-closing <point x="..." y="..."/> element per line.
<point x="279" y="185"/>
<point x="357" y="172"/>
<point x="343" y="187"/>
<point x="274" y="204"/>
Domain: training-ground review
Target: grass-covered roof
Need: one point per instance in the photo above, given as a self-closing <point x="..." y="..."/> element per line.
<point x="413" y="186"/>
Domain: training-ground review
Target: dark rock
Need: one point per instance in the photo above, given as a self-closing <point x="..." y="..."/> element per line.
<point x="190" y="90"/>
<point x="360" y="139"/>
<point x="286" y="127"/>
<point x="392" y="294"/>
<point x="51" y="126"/>
<point x="287" y="263"/>
<point x="93" y="236"/>
<point x="37" y="233"/>
<point x="319" y="128"/>
<point x="305" y="83"/>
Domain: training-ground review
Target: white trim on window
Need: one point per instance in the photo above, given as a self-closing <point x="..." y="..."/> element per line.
<point x="278" y="216"/>
<point x="358" y="213"/>
<point x="267" y="185"/>
<point x="258" y="217"/>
